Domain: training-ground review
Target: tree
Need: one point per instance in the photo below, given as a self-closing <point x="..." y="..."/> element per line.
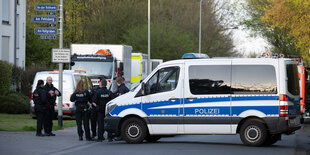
<point x="38" y="51"/>
<point x="279" y="39"/>
<point x="292" y="16"/>
<point x="168" y="42"/>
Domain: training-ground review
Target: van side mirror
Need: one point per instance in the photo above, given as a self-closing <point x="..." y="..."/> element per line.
<point x="143" y="88"/>
<point x="72" y="63"/>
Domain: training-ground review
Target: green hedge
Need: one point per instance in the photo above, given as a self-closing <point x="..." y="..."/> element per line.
<point x="5" y="77"/>
<point x="14" y="103"/>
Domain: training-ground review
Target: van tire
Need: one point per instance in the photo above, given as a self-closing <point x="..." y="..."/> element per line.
<point x="133" y="130"/>
<point x="253" y="133"/>
<point x="152" y="139"/>
<point x="272" y="139"/>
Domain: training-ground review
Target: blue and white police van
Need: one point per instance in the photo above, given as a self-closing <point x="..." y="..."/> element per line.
<point x="257" y="98"/>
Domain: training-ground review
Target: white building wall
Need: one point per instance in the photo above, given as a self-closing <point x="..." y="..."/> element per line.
<point x="7" y="29"/>
<point x="21" y="47"/>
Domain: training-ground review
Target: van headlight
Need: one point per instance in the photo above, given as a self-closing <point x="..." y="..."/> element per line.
<point x="109" y="108"/>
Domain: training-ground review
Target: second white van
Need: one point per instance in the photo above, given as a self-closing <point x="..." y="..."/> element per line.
<point x="70" y="79"/>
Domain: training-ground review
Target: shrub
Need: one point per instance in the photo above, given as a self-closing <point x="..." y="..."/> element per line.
<point x="14" y="103"/>
<point x="5" y="77"/>
<point x="17" y="73"/>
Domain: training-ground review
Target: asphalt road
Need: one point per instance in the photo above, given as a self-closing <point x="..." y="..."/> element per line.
<point x="66" y="142"/>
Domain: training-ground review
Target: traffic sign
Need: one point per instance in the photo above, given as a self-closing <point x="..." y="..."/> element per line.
<point x="61" y="55"/>
<point x="44" y="19"/>
<point x="47" y="37"/>
<point x="45" y="30"/>
<point x="46" y="7"/>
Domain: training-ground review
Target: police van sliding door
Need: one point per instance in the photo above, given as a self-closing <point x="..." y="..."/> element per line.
<point x="163" y="100"/>
<point x="207" y="97"/>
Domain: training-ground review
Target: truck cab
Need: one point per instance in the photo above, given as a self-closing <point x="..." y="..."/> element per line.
<point x="97" y="67"/>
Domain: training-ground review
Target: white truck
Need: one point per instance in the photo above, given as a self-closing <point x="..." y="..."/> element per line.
<point x="139" y="66"/>
<point x="102" y="60"/>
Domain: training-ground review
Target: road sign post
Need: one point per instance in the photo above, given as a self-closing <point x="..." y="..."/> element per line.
<point x="60" y="64"/>
<point x="58" y="55"/>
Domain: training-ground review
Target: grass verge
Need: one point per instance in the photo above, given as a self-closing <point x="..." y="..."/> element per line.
<point x="23" y="122"/>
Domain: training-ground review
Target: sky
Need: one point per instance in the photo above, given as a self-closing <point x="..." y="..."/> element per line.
<point x="244" y="40"/>
<point x="245" y="43"/>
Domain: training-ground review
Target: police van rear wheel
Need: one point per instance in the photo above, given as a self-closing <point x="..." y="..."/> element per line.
<point x="253" y="133"/>
<point x="133" y="130"/>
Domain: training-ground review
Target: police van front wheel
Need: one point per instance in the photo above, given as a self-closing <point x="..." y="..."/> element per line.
<point x="253" y="133"/>
<point x="133" y="130"/>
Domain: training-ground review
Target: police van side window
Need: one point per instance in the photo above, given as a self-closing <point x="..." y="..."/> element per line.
<point x="292" y="79"/>
<point x="165" y="79"/>
<point x="209" y="79"/>
<point x="249" y="79"/>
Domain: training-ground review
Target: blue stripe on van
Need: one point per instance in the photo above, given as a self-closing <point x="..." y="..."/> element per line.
<point x="235" y="110"/>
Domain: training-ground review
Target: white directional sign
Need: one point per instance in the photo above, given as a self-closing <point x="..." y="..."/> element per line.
<point x="61" y="55"/>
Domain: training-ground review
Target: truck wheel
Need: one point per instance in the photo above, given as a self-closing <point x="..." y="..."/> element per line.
<point x="152" y="139"/>
<point x="253" y="133"/>
<point x="133" y="130"/>
<point x="272" y="139"/>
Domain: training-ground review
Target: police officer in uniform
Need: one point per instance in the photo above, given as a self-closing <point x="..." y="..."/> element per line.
<point x="81" y="97"/>
<point x="40" y="106"/>
<point x="122" y="89"/>
<point x="100" y="99"/>
<point x="53" y="93"/>
<point x="93" y="114"/>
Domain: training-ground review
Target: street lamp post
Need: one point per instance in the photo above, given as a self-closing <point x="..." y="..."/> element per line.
<point x="200" y="27"/>
<point x="60" y="65"/>
<point x="149" y="38"/>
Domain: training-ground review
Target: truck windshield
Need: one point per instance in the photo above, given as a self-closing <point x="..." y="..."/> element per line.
<point x="95" y="68"/>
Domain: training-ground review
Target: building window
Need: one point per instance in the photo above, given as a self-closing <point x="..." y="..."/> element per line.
<point x="6" y="11"/>
<point x="5" y="56"/>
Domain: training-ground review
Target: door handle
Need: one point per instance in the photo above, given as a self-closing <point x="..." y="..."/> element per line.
<point x="173" y="99"/>
<point x="190" y="98"/>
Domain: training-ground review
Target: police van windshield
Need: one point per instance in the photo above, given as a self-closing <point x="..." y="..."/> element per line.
<point x="95" y="68"/>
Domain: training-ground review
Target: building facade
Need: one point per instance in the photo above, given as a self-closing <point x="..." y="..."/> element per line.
<point x="13" y="31"/>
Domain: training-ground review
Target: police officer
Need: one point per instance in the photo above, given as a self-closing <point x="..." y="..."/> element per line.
<point x="81" y="97"/>
<point x="122" y="89"/>
<point x="93" y="114"/>
<point x="53" y="93"/>
<point x="100" y="99"/>
<point x="40" y="106"/>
